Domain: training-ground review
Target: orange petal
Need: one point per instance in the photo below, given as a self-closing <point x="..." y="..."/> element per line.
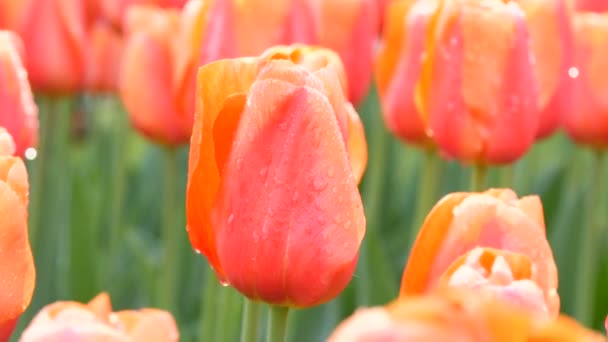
<point x="357" y="145"/>
<point x="148" y="325"/>
<point x="215" y="83"/>
<point x="428" y="244"/>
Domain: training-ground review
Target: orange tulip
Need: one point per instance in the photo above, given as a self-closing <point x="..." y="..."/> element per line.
<point x="348" y="27"/>
<point x="95" y="321"/>
<point x="587" y="120"/>
<point x="398" y="67"/>
<point x="272" y="197"/>
<point x="489" y="241"/>
<point x="550" y="34"/>
<point x="19" y="114"/>
<point x="456" y="316"/>
<point x="54" y="35"/>
<point x="115" y="10"/>
<point x="149" y="67"/>
<point x="17" y="273"/>
<point x="478" y="91"/>
<point x="104" y="56"/>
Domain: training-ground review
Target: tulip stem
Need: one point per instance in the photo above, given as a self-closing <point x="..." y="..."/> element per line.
<point x="170" y="233"/>
<point x="251" y="321"/>
<point x="427" y="191"/>
<point x="277" y="324"/>
<point x="208" y="306"/>
<point x="507" y="176"/>
<point x="588" y="257"/>
<point x="479" y="178"/>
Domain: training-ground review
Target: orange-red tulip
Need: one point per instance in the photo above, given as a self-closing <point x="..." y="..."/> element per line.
<point x="398" y="67"/>
<point x="272" y="197"/>
<point x="489" y="241"/>
<point x="478" y="90"/>
<point x="95" y="321"/>
<point x="17" y="273"/>
<point x="456" y="316"/>
<point x="551" y="37"/>
<point x="348" y="27"/>
<point x="54" y="35"/>
<point x="18" y="112"/>
<point x="148" y="74"/>
<point x="104" y="55"/>
<point x="587" y="120"/>
<point x="115" y="10"/>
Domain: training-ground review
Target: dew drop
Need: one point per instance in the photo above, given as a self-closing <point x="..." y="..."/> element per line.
<point x="224" y="283"/>
<point x="31" y="153"/>
<point x="230" y="219"/>
<point x="319" y="184"/>
<point x="263" y="172"/>
<point x="573" y="72"/>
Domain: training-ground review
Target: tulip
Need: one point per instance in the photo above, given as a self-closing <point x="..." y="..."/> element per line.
<point x="60" y="24"/>
<point x="272" y="197"/>
<point x="95" y="321"/>
<point x="115" y="10"/>
<point x="456" y="316"/>
<point x="148" y="72"/>
<point x="348" y="27"/>
<point x="398" y="67"/>
<point x="19" y="114"/>
<point x="478" y="91"/>
<point x="550" y="34"/>
<point x="104" y="56"/>
<point x="489" y="241"/>
<point x="17" y="273"/>
<point x="587" y="121"/>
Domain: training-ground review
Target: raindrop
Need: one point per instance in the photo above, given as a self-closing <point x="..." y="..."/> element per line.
<point x="31" y="153"/>
<point x="263" y="172"/>
<point x="573" y="72"/>
<point x="230" y="219"/>
<point x="224" y="283"/>
<point x="319" y="184"/>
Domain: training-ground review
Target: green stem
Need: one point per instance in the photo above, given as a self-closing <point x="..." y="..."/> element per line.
<point x="588" y="257"/>
<point x="427" y="191"/>
<point x="208" y="307"/>
<point x="170" y="233"/>
<point x="507" y="176"/>
<point x="479" y="178"/>
<point x="117" y="188"/>
<point x="277" y="324"/>
<point x="251" y="321"/>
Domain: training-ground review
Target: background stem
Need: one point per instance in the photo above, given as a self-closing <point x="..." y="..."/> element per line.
<point x="277" y="323"/>
<point x="427" y="192"/>
<point x="251" y="321"/>
<point x="479" y="178"/>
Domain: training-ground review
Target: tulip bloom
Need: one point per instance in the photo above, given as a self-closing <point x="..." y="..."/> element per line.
<point x="95" y="321"/>
<point x="398" y="68"/>
<point x="551" y="37"/>
<point x="348" y="27"/>
<point x="456" y="316"/>
<point x="489" y="241"/>
<point x="147" y="83"/>
<point x="54" y="35"/>
<point x="587" y="120"/>
<point x="478" y="90"/>
<point x="17" y="273"/>
<point x="272" y="197"/>
<point x="104" y="56"/>
<point x="18" y="114"/>
<point x="591" y="5"/>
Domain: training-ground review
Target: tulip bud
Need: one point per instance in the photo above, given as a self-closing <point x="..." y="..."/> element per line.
<point x="272" y="197"/>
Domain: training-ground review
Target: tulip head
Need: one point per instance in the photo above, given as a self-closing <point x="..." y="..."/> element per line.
<point x="490" y="241"/>
<point x="17" y="272"/>
<point x="95" y="321"/>
<point x="587" y="120"/>
<point x="478" y="92"/>
<point x="104" y="56"/>
<point x="449" y="315"/>
<point x="591" y="5"/>
<point x="272" y="197"/>
<point x="398" y="68"/>
<point x="19" y="114"/>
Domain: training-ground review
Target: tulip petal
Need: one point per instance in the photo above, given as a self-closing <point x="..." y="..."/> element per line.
<point x="357" y="145"/>
<point x="215" y="83"/>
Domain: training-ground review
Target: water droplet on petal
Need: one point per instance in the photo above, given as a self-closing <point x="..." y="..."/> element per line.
<point x="573" y="72"/>
<point x="31" y="153"/>
<point x="263" y="172"/>
<point x="230" y="219"/>
<point x="319" y="184"/>
<point x="330" y="172"/>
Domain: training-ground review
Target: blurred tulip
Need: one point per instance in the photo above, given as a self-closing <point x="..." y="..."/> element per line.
<point x="592" y="5"/>
<point x="272" y="197"/>
<point x="147" y="75"/>
<point x="104" y="55"/>
<point x="116" y="10"/>
<point x="95" y="321"/>
<point x="54" y="35"/>
<point x="456" y="316"/>
<point x="551" y="37"/>
<point x="348" y="27"/>
<point x="18" y="114"/>
<point x="398" y="67"/>
<point x="489" y="241"/>
<point x="587" y="120"/>
<point x="478" y="90"/>
<point x="17" y="273"/>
